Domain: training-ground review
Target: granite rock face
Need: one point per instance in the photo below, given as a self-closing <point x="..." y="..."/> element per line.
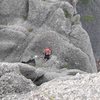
<point x="26" y="28"/>
<point x="46" y="23"/>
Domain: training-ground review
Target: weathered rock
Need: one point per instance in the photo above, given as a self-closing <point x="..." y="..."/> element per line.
<point x="14" y="83"/>
<point x="77" y="87"/>
<point x="61" y="47"/>
<point x="31" y="26"/>
<point x="11" y="41"/>
<point x="39" y="75"/>
<point x="55" y="73"/>
<point x="50" y="24"/>
<point x="22" y="69"/>
<point x="59" y="22"/>
<point x="39" y="12"/>
<point x="8" y="68"/>
<point x="11" y="9"/>
<point x="75" y="19"/>
<point x="79" y="37"/>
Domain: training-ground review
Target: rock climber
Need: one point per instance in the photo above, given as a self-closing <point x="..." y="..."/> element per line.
<point x="47" y="53"/>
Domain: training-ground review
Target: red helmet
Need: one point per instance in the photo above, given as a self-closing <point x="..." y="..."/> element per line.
<point x="47" y="51"/>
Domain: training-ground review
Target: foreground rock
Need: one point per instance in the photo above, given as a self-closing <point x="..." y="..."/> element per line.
<point x="79" y="87"/>
<point x="36" y="75"/>
<point x="18" y="78"/>
<point x="21" y="69"/>
<point x="14" y="78"/>
<point x="14" y="83"/>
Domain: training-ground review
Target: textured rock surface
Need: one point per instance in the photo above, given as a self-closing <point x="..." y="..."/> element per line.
<point x="64" y="50"/>
<point x="20" y="78"/>
<point x="79" y="87"/>
<point x="80" y="39"/>
<point x="22" y="69"/>
<point x="14" y="83"/>
<point x="91" y="8"/>
<point x="38" y="75"/>
<point x="26" y="28"/>
<point x="73" y="88"/>
<point x="44" y="24"/>
<point x="13" y="78"/>
<point x="12" y="9"/>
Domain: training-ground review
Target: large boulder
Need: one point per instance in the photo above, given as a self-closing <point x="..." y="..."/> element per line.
<point x="49" y="24"/>
<point x="61" y="47"/>
<point x="25" y="70"/>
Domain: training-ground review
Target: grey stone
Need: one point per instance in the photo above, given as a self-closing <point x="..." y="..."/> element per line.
<point x="11" y="40"/>
<point x="11" y="9"/>
<point x="19" y="42"/>
<point x="71" y="88"/>
<point x="14" y="83"/>
<point x="80" y="86"/>
<point x="8" y="68"/>
<point x="75" y="19"/>
<point x="61" y="48"/>
<point x="67" y="7"/>
<point x="30" y="72"/>
<point x="72" y="2"/>
<point x="22" y="69"/>
<point x="32" y="27"/>
<point x="79" y="37"/>
<point x="59" y="22"/>
<point x="37" y="12"/>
